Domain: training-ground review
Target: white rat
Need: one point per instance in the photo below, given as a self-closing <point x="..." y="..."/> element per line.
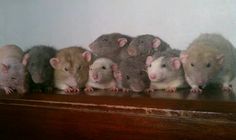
<point x="101" y="75"/>
<point x="209" y="59"/>
<point x="165" y="71"/>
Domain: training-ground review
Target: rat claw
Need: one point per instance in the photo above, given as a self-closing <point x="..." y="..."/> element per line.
<point x="88" y="89"/>
<point x="8" y="90"/>
<point x="125" y="90"/>
<point x="196" y="90"/>
<point x="171" y="89"/>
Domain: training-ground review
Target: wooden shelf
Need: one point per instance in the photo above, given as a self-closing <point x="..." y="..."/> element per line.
<point x="106" y="115"/>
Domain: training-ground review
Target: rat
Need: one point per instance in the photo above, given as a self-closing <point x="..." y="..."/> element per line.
<point x="145" y="45"/>
<point x="111" y="46"/>
<point x="71" y="67"/>
<point x="165" y="71"/>
<point x="101" y="75"/>
<point x="209" y="59"/>
<point x="41" y="72"/>
<point x="132" y="74"/>
<point x="13" y="74"/>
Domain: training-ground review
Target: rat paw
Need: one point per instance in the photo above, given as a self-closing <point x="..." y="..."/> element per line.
<point x="114" y="89"/>
<point x="88" y="89"/>
<point x="8" y="90"/>
<point x="149" y="90"/>
<point x="170" y="89"/>
<point x="196" y="90"/>
<point x="125" y="90"/>
<point x="71" y="90"/>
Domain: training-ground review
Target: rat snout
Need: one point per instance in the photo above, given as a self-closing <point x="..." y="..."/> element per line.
<point x="137" y="86"/>
<point x="96" y="76"/>
<point x="71" y="81"/>
<point x="152" y="76"/>
<point x="37" y="78"/>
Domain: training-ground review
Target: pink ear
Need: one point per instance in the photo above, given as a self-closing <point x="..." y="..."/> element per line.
<point x="156" y="43"/>
<point x="114" y="67"/>
<point x="132" y="51"/>
<point x="87" y="56"/>
<point x="117" y="75"/>
<point x="54" y="62"/>
<point x="25" y="59"/>
<point x="149" y="60"/>
<point x="122" y="42"/>
<point x="4" y="68"/>
<point x="175" y="63"/>
<point x="183" y="56"/>
<point x="220" y="58"/>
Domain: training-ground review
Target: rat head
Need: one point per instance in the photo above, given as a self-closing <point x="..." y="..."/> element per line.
<point x="38" y="66"/>
<point x="133" y="75"/>
<point x="146" y="45"/>
<point x="101" y="71"/>
<point x="162" y="68"/>
<point x="108" y="44"/>
<point x="201" y="66"/>
<point x="71" y="66"/>
<point x="14" y="76"/>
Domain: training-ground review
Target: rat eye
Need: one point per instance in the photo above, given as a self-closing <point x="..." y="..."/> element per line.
<point x="208" y="65"/>
<point x="79" y="67"/>
<point x="150" y="65"/>
<point x="65" y="69"/>
<point x="163" y="65"/>
<point x="192" y="64"/>
<point x="127" y="77"/>
<point x="13" y="78"/>
<point x="103" y="67"/>
<point x="141" y="41"/>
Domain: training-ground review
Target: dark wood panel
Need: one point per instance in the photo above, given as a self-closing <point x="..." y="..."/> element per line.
<point x="106" y="115"/>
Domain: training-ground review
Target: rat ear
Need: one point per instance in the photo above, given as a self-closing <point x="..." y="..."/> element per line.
<point x="156" y="43"/>
<point x="122" y="42"/>
<point x="117" y="75"/>
<point x="114" y="67"/>
<point x="4" y="68"/>
<point x="132" y="51"/>
<point x="54" y="62"/>
<point x="25" y="59"/>
<point x="183" y="56"/>
<point x="175" y="62"/>
<point x="220" y="58"/>
<point x="87" y="56"/>
<point x="149" y="60"/>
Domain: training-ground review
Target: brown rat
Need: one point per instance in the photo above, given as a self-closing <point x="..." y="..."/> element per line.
<point x="71" y="66"/>
<point x="110" y="46"/>
<point x="13" y="74"/>
<point x="165" y="71"/>
<point x="209" y="59"/>
<point x="101" y="75"/>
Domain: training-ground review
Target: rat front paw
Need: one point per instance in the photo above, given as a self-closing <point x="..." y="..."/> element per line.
<point x="196" y="90"/>
<point x="71" y="90"/>
<point x="170" y="89"/>
<point x="88" y="89"/>
<point x="149" y="90"/>
<point x="8" y="90"/>
<point x="114" y="89"/>
<point x="125" y="90"/>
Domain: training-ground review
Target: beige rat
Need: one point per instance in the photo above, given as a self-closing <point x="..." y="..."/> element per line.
<point x="71" y="66"/>
<point x="101" y="75"/>
<point x="209" y="59"/>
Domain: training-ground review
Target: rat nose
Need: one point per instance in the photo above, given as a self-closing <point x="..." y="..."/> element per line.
<point x="153" y="76"/>
<point x="95" y="76"/>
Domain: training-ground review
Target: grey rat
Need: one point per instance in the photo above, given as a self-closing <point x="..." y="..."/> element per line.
<point x="41" y="72"/>
<point x="13" y="74"/>
<point x="101" y="75"/>
<point x="71" y="66"/>
<point x="111" y="46"/>
<point x="210" y="58"/>
<point x="132" y="74"/>
<point x="165" y="71"/>
<point x="146" y="45"/>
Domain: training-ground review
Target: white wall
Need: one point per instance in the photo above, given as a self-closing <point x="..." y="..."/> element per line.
<point x="78" y="22"/>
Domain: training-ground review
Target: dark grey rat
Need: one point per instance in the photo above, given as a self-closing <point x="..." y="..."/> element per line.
<point x="110" y="46"/>
<point x="146" y="45"/>
<point x="13" y="74"/>
<point x="133" y="75"/>
<point x="41" y="72"/>
<point x="210" y="58"/>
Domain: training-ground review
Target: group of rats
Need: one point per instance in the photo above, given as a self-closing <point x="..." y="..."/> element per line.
<point x="144" y="63"/>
